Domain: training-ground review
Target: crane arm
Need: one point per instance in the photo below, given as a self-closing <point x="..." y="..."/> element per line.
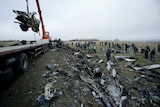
<point x="44" y="36"/>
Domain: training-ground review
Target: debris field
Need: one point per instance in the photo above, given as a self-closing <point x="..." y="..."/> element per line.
<point x="68" y="77"/>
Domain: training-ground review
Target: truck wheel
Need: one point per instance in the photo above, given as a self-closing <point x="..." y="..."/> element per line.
<point x="22" y="62"/>
<point x="6" y="76"/>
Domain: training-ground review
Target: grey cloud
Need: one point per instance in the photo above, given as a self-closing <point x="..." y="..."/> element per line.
<point x="102" y="19"/>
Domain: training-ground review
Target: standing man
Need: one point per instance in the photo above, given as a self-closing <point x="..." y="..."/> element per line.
<point x="158" y="47"/>
<point x="94" y="48"/>
<point x="108" y="54"/>
<point x="147" y="50"/>
<point x="152" y="55"/>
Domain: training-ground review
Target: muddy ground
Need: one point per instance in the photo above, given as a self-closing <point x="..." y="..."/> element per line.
<point x="66" y="72"/>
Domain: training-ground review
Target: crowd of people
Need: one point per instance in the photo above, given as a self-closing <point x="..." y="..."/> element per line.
<point x="148" y="53"/>
<point x="90" y="46"/>
<point x="121" y="48"/>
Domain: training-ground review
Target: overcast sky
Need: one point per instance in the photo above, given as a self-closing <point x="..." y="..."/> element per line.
<point x="83" y="19"/>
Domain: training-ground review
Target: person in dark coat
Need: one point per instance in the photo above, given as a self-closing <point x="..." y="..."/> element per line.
<point x="152" y="55"/>
<point x="108" y="54"/>
<point x="158" y="47"/>
<point x="146" y="52"/>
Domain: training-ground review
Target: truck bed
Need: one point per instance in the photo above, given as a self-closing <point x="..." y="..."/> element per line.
<point x="12" y="49"/>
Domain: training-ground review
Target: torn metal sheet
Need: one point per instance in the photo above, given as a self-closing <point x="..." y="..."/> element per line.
<point x="48" y="91"/>
<point x="95" y="94"/>
<point x="102" y="81"/>
<point x="88" y="80"/>
<point x="155" y="99"/>
<point x="42" y="102"/>
<point x="103" y="97"/>
<point x="76" y="53"/>
<point x="122" y="99"/>
<point x="111" y="63"/>
<point x="137" y="68"/>
<point x="154" y="66"/>
<point x="89" y="56"/>
<point x="97" y="72"/>
<point x="100" y="61"/>
<point x="105" y="100"/>
<point x="147" y="67"/>
<point x="93" y="86"/>
<point x="51" y="66"/>
<point x="121" y="57"/>
<point x="49" y="74"/>
<point x="113" y="73"/>
<point x="74" y="67"/>
<point x="108" y="66"/>
<point x="114" y="91"/>
<point x="64" y="72"/>
<point x="27" y="20"/>
<point x="152" y="78"/>
<point x="129" y="60"/>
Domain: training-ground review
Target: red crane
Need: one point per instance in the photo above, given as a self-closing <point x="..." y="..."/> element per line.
<point x="45" y="35"/>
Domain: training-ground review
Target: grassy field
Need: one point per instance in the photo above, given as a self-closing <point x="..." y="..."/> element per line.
<point x="7" y="43"/>
<point x="139" y="55"/>
<point x="141" y="60"/>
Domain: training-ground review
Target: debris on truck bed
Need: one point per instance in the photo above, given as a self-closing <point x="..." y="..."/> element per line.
<point x="27" y="20"/>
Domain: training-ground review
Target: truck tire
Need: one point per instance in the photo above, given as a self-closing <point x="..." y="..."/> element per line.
<point x="6" y="76"/>
<point x="22" y="63"/>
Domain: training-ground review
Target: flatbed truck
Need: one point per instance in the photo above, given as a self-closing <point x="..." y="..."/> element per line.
<point x="15" y="59"/>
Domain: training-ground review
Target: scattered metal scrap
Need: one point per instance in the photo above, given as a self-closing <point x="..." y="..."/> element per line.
<point x="50" y="93"/>
<point x="147" y="67"/>
<point x="139" y="94"/>
<point x="131" y="59"/>
<point x="105" y="88"/>
<point x="44" y="100"/>
<point x="119" y="58"/>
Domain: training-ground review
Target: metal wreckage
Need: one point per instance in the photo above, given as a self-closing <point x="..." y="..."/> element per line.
<point x="105" y="85"/>
<point x="27" y="20"/>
